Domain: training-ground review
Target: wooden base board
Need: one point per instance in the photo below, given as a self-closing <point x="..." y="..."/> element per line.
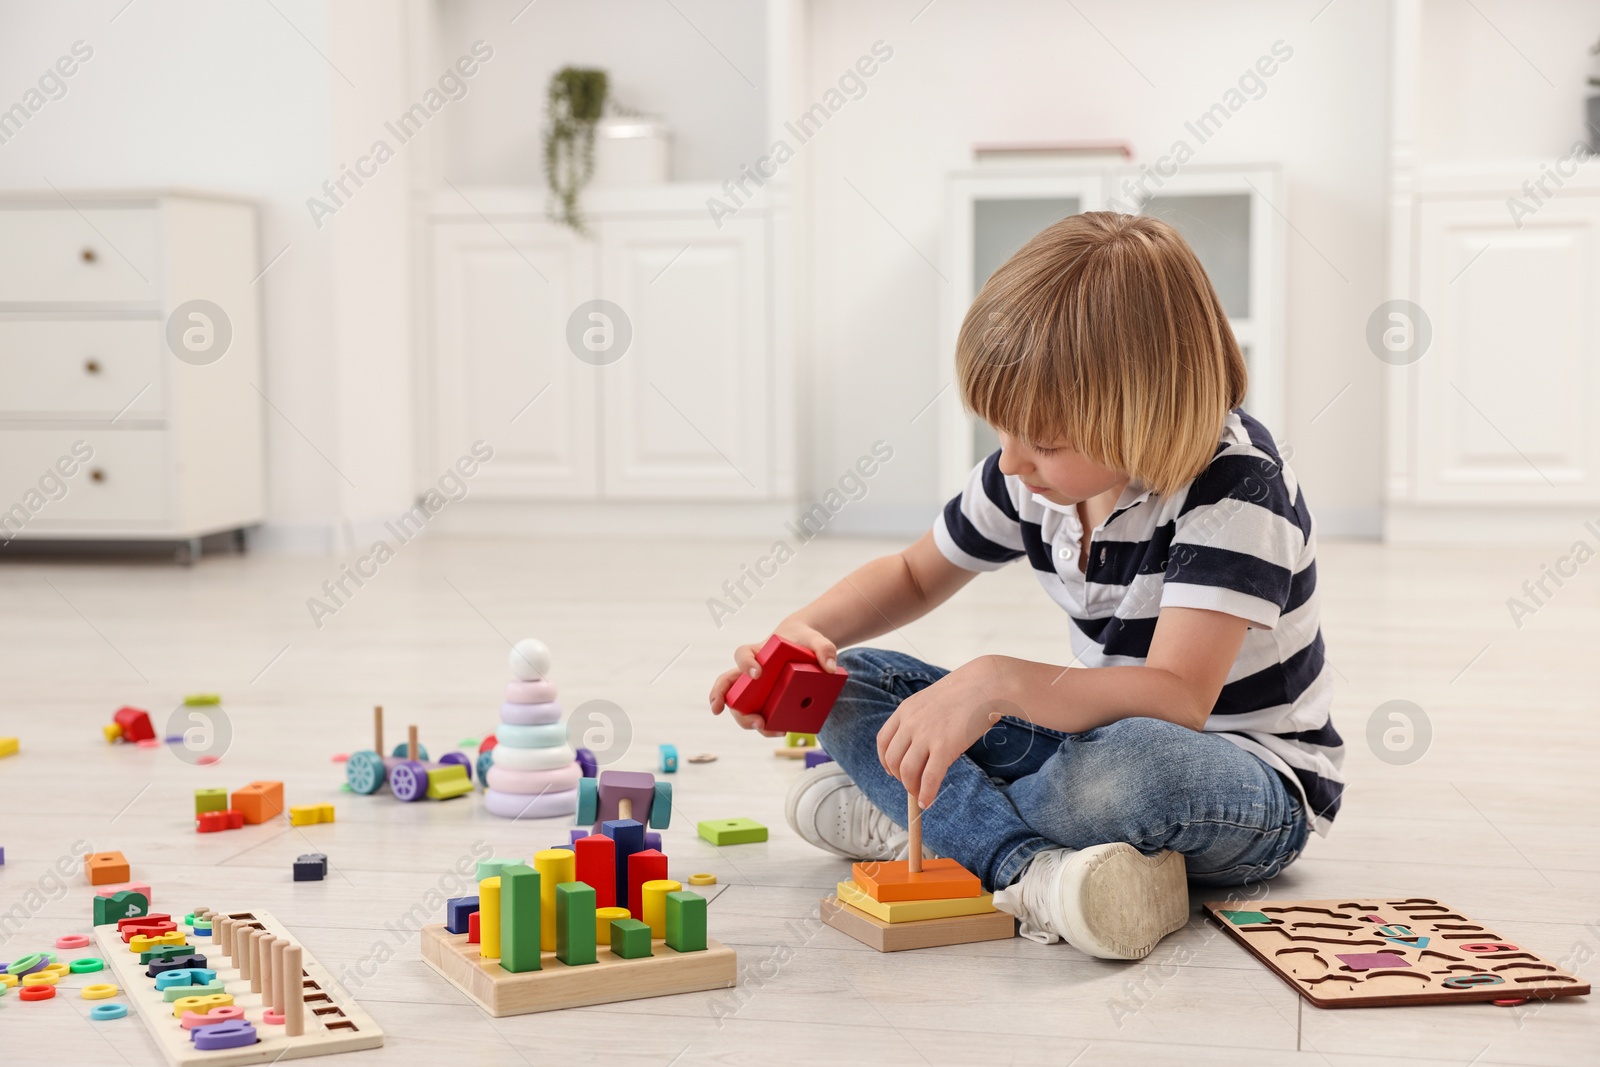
<point x="923" y="933"/>
<point x="555" y="985"/>
<point x="356" y="1030"/>
<point x="1379" y="952"/>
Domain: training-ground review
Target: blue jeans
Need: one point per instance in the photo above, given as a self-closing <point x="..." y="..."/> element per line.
<point x="1022" y="788"/>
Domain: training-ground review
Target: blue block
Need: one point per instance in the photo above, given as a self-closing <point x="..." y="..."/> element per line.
<point x="629" y="836"/>
<point x="456" y="911"/>
<point x="816" y="758"/>
<point x="669" y="759"/>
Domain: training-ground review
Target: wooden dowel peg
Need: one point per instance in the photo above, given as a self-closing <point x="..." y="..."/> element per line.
<point x="411" y="741"/>
<point x="914" y="841"/>
<point x="294" y="1001"/>
<point x="377" y="730"/>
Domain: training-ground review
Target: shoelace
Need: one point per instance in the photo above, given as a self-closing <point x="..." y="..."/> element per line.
<point x="1031" y="897"/>
<point x="874" y="829"/>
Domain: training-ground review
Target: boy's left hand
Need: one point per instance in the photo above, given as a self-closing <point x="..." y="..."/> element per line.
<point x="930" y="730"/>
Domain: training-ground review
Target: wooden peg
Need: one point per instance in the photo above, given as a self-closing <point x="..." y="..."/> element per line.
<point x="914" y="842"/>
<point x="377" y="730"/>
<point x="294" y="1002"/>
<point x="411" y="741"/>
<point x="279" y="979"/>
<point x="264" y="941"/>
<point x="625" y="808"/>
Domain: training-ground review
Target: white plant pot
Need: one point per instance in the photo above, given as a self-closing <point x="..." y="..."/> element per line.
<point x="629" y="152"/>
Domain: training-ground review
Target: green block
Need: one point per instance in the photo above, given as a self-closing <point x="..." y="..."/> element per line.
<point x="210" y="800"/>
<point x="448" y="781"/>
<point x="686" y="921"/>
<point x="124" y="905"/>
<point x="1245" y="918"/>
<point x="162" y="952"/>
<point x="732" y="831"/>
<point x="630" y="938"/>
<point x="575" y="923"/>
<point x="197" y="700"/>
<point x="519" y="918"/>
<point x="177" y="992"/>
<point x="492" y="868"/>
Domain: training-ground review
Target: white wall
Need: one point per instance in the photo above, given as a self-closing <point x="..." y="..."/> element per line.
<point x="1039" y="71"/>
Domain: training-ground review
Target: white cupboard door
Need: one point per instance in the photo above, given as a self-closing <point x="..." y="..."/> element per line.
<point x="503" y="371"/>
<point x="687" y="411"/>
<point x="1503" y="393"/>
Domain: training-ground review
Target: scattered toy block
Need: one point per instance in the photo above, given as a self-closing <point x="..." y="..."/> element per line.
<point x="112" y="732"/>
<point x="135" y="724"/>
<point x="575" y="940"/>
<point x="311" y="867"/>
<point x="748" y="694"/>
<point x="196" y="700"/>
<point x="9" y="746"/>
<point x="646" y="865"/>
<point x="448" y="780"/>
<point x="669" y="759"/>
<point x="105" y="867"/>
<point x="456" y="911"/>
<point x="686" y="921"/>
<point x="555" y="866"/>
<point x="310" y="814"/>
<point x="801" y="700"/>
<point x="892" y="880"/>
<point x="901" y="911"/>
<point x="815" y="757"/>
<point x="520" y="923"/>
<point x="630" y="939"/>
<point x="108" y="910"/>
<point x="210" y="800"/>
<point x="213" y="821"/>
<point x="258" y="801"/>
<point x="732" y="831"/>
<point x="923" y="933"/>
<point x="597" y="867"/>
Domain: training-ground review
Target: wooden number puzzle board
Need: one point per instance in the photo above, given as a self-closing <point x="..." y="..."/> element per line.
<point x="333" y="1020"/>
<point x="555" y="985"/>
<point x="1374" y="952"/>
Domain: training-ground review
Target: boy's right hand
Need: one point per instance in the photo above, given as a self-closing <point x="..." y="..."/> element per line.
<point x="745" y="657"/>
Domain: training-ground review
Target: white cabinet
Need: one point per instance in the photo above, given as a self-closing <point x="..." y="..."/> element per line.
<point x="106" y="430"/>
<point x="688" y="411"/>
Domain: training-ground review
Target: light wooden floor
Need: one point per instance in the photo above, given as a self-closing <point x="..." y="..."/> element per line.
<point x="1498" y="819"/>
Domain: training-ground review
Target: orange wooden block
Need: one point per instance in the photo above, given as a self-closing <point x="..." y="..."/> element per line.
<point x="938" y="880"/>
<point x="103" y="868"/>
<point x="259" y="801"/>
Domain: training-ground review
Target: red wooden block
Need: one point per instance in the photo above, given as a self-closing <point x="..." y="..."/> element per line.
<point x="135" y="724"/>
<point x="139" y="920"/>
<point x="646" y="866"/>
<point x="802" y="698"/>
<point x="749" y="694"/>
<point x="597" y="865"/>
<point x="210" y="822"/>
<point x="472" y="929"/>
<point x="146" y="929"/>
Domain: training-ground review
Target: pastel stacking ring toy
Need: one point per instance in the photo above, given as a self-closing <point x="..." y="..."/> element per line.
<point x="530" y="772"/>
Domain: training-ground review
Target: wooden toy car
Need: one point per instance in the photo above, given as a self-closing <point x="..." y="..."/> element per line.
<point x="409" y="776"/>
<point x="624" y="795"/>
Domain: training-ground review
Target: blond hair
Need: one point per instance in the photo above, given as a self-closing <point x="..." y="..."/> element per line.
<point x="1104" y="333"/>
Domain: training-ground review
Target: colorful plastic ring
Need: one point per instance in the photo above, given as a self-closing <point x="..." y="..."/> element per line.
<point x="87" y="964"/>
<point x="272" y="1018"/>
<point x="530" y="715"/>
<point x="72" y="941"/>
<point x="38" y="992"/>
<point x="702" y="879"/>
<point x="40" y="978"/>
<point x="108" y="1011"/>
<point x="544" y="735"/>
<point x="100" y="991"/>
<point x="7" y="981"/>
<point x="33" y="961"/>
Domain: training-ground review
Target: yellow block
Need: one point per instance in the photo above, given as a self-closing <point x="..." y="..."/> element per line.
<point x="144" y="943"/>
<point x="8" y="746"/>
<point x="489" y="918"/>
<point x="555" y="865"/>
<point x="200" y="1005"/>
<point x="310" y="814"/>
<point x="113" y="732"/>
<point x="905" y="911"/>
<point x="655" y="905"/>
<point x="602" y="924"/>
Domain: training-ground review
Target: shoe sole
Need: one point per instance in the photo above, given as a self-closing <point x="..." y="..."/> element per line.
<point x="816" y="778"/>
<point x="1119" y="903"/>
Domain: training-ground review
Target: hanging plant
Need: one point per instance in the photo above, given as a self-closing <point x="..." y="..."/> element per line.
<point x="574" y="103"/>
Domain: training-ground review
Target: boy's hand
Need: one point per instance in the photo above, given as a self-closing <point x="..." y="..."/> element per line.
<point x="931" y="729"/>
<point x="745" y="656"/>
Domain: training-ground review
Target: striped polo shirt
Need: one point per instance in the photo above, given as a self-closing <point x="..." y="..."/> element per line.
<point x="1238" y="539"/>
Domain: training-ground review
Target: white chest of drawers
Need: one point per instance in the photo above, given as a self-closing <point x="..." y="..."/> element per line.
<point x="119" y="420"/>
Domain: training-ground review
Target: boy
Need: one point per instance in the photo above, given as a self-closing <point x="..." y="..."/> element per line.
<point x="1193" y="739"/>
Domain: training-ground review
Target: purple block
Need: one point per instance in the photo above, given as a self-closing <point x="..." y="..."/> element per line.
<point x="636" y="786"/>
<point x="629" y="836"/>
<point x="1370" y="961"/>
<point x="816" y="758"/>
<point x="652" y="839"/>
<point x="456" y="911"/>
<point x="587" y="763"/>
<point x="576" y="832"/>
<point x="234" y="1033"/>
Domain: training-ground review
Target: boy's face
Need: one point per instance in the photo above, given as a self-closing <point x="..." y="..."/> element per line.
<point x="1056" y="472"/>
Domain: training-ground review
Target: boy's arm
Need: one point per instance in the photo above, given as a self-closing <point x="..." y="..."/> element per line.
<point x="1191" y="653"/>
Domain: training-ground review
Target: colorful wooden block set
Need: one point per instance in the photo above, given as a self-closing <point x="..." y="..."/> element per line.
<point x="596" y="923"/>
<point x="244" y="991"/>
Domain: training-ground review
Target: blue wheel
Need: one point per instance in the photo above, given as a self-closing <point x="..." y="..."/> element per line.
<point x="485" y="761"/>
<point x="408" y="780"/>
<point x="661" y="806"/>
<point x="452" y="758"/>
<point x="364" y="772"/>
<point x="400" y="751"/>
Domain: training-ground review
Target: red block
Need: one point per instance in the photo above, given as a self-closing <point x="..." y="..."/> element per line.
<point x="135" y="724"/>
<point x="140" y="920"/>
<point x="146" y="929"/>
<point x="646" y="866"/>
<point x="210" y="822"/>
<point x="802" y="698"/>
<point x="472" y="929"/>
<point x="597" y="865"/>
<point x="749" y="694"/>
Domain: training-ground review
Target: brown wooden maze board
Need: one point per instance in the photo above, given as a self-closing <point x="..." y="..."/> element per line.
<point x="1373" y="952"/>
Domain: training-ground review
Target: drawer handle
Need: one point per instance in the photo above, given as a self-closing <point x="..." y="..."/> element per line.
<point x="92" y="366"/>
<point x="97" y="475"/>
<point x="89" y="255"/>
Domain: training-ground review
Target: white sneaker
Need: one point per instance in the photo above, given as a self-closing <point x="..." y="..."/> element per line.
<point x="829" y="810"/>
<point x="1110" y="901"/>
